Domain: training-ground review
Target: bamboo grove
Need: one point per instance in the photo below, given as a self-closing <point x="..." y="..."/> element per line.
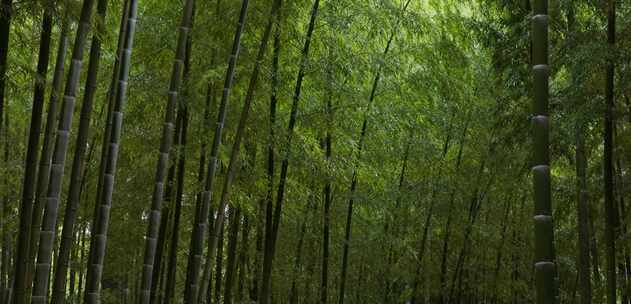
<point x="315" y="151"/>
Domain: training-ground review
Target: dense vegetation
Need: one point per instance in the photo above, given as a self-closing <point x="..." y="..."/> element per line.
<point x="315" y="151"/>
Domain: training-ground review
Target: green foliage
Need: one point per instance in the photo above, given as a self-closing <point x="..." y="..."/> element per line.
<point x="456" y="71"/>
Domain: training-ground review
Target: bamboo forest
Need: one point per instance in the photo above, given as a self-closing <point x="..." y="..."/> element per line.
<point x="315" y="151"/>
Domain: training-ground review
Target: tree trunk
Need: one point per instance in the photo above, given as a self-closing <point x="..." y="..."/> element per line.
<point x="81" y="262"/>
<point x="270" y="242"/>
<point x="293" y="292"/>
<point x="583" y="218"/>
<point x="74" y="192"/>
<point x="158" y="271"/>
<point x="6" y="12"/>
<point x="165" y="233"/>
<point x="266" y="218"/>
<point x="610" y="210"/>
<point x="102" y="209"/>
<point x="165" y="148"/>
<point x="232" y="254"/>
<point x="500" y="252"/>
<point x="181" y="131"/>
<point x="474" y="210"/>
<point x="218" y="267"/>
<point x="324" y="279"/>
<point x="225" y="193"/>
<point x="160" y="276"/>
<point x="172" y="268"/>
<point x="5" y="272"/>
<point x="264" y="227"/>
<point x="391" y="230"/>
<point x="43" y="172"/>
<point x="430" y="210"/>
<point x="243" y="259"/>
<point x="545" y="264"/>
<point x="362" y="136"/>
<point x="23" y="276"/>
<point x="111" y="95"/>
<point x="72" y="269"/>
<point x="445" y="249"/>
<point x="210" y="104"/>
<point x="162" y="261"/>
<point x="197" y="239"/>
<point x="191" y="288"/>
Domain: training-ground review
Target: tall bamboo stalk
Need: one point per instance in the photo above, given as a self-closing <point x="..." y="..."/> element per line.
<point x="210" y="103"/>
<point x="270" y="241"/>
<point x="267" y="205"/>
<point x="209" y="107"/>
<point x="160" y="261"/>
<point x="430" y="210"/>
<point x="582" y="217"/>
<point x="6" y="12"/>
<point x="191" y="289"/>
<point x="443" y="296"/>
<point x="22" y="275"/>
<point x="5" y="271"/>
<point x="111" y="96"/>
<point x="5" y="24"/>
<point x="353" y="188"/>
<point x="225" y="193"/>
<point x="5" y="241"/>
<point x="243" y="259"/>
<point x="165" y="148"/>
<point x="43" y="171"/>
<point x="233" y="233"/>
<point x="49" y="224"/>
<point x="294" y="295"/>
<point x="354" y="181"/>
<point x="610" y="209"/>
<point x="76" y="177"/>
<point x="391" y="229"/>
<point x="582" y="192"/>
<point x="328" y="199"/>
<point x="106" y="136"/>
<point x="172" y="258"/>
<point x="545" y="265"/>
<point x="181" y="139"/>
<point x="218" y="267"/>
<point x="99" y="232"/>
